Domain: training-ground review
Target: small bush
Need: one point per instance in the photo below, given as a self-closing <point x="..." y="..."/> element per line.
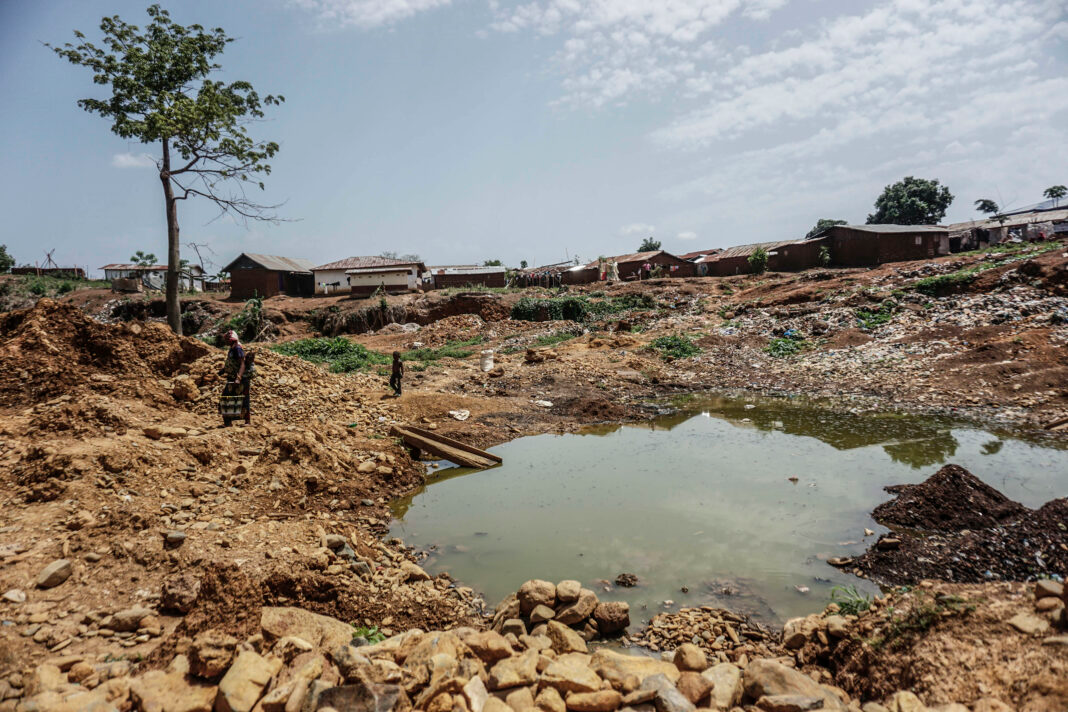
<point x="945" y="282"/>
<point x="823" y="256"/>
<point x="758" y="261"/>
<point x="556" y="309"/>
<point x="784" y="346"/>
<point x="869" y="319"/>
<point x="340" y="354"/>
<point x="675" y="347"/>
<point x="851" y="602"/>
<point x="371" y="634"/>
<point x="38" y="287"/>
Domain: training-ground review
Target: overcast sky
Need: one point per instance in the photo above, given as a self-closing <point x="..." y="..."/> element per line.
<point x="464" y="130"/>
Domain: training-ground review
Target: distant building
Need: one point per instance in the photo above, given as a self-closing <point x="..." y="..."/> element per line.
<point x="464" y="275"/>
<point x="783" y="256"/>
<point x="362" y="276"/>
<point x="253" y="275"/>
<point x="155" y="276"/>
<point x="60" y="272"/>
<point x="867" y="245"/>
<point x="637" y="265"/>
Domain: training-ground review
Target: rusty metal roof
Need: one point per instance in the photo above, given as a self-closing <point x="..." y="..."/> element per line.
<point x="364" y="263"/>
<point x="746" y="250"/>
<point x="275" y="263"/>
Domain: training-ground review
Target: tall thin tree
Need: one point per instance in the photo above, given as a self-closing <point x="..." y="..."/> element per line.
<point x="161" y="94"/>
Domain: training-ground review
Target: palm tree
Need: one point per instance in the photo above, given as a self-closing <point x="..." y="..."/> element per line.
<point x="1055" y="193"/>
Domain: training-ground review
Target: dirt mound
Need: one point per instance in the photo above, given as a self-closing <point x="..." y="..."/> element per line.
<point x="950" y="500"/>
<point x="973" y="534"/>
<point x="54" y="348"/>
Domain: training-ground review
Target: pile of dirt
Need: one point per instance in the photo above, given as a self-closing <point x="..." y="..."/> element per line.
<point x="955" y="528"/>
<point x="950" y="500"/>
<point x="53" y="348"/>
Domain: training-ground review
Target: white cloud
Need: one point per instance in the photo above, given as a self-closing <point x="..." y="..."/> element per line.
<point x="367" y="14"/>
<point x="637" y="229"/>
<point x="133" y="160"/>
<point x="687" y="235"/>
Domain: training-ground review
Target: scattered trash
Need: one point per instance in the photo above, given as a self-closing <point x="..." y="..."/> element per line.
<point x="868" y="532"/>
<point x="543" y="403"/>
<point x="460" y="414"/>
<point x="487" y="360"/>
<point x="801" y="589"/>
<point x="792" y="479"/>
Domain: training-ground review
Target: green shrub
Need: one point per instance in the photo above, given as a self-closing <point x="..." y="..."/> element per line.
<point x="945" y="282"/>
<point x="38" y="287"/>
<point x="453" y="349"/>
<point x="371" y="634"/>
<point x="340" y="354"/>
<point x="784" y="346"/>
<point x="758" y="261"/>
<point x="675" y="347"/>
<point x="555" y="309"/>
<point x="823" y="256"/>
<point x="851" y="602"/>
<point x="869" y="319"/>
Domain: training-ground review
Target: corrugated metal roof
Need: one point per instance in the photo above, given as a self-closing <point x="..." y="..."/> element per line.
<point x="746" y="250"/>
<point x="1013" y="220"/>
<point x="700" y="253"/>
<point x="129" y="265"/>
<point x="364" y="263"/>
<point x="887" y="228"/>
<point x="467" y="270"/>
<point x="275" y="263"/>
<point x="634" y="257"/>
<point x="381" y="270"/>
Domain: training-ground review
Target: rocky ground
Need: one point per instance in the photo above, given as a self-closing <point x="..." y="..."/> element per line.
<point x="151" y="559"/>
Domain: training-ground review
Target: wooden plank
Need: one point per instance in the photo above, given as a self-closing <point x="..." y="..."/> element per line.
<point x="446" y="448"/>
<point x="452" y="442"/>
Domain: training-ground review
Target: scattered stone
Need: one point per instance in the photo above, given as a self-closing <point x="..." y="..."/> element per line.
<point x="211" y="654"/>
<point x="180" y="593"/>
<point x="694" y="686"/>
<point x="129" y="619"/>
<point x="1029" y="624"/>
<point x="767" y="678"/>
<point x="612" y="616"/>
<point x="489" y="646"/>
<point x="321" y="631"/>
<point x="600" y="701"/>
<point x="54" y="574"/>
<point x="668" y="698"/>
<point x="515" y="626"/>
<point x="1048" y="588"/>
<point x="536" y="592"/>
<point x="174" y="539"/>
<point x="549" y="700"/>
<point x="617" y="667"/>
<point x="564" y="639"/>
<point x="241" y="687"/>
<point x="569" y="673"/>
<point x="514" y="671"/>
<point x="726" y="679"/>
<point x="541" y="614"/>
<point x="580" y="610"/>
<point x="837" y="626"/>
<point x="689" y="657"/>
<point x="627" y="580"/>
<point x="568" y="591"/>
<point x="905" y="701"/>
<point x="789" y="703"/>
<point x="15" y="595"/>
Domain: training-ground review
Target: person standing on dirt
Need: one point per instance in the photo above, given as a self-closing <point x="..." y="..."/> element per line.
<point x="238" y="372"/>
<point x="398" y="373"/>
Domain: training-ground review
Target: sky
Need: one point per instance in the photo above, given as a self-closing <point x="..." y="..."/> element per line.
<point x="466" y="130"/>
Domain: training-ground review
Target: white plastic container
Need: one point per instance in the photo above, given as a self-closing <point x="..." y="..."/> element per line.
<point x="487" y="360"/>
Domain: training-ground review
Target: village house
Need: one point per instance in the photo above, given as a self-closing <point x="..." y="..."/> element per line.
<point x="253" y="275"/>
<point x="637" y="265"/>
<point x="465" y="275"/>
<point x="362" y="276"/>
<point x="155" y="276"/>
<point x="783" y="256"/>
<point x="867" y="245"/>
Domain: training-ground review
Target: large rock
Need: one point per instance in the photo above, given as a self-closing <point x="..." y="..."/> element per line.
<point x="321" y="631"/>
<point x="536" y="593"/>
<point x="766" y="678"/>
<point x="549" y="700"/>
<point x="1029" y="624"/>
<point x="578" y="611"/>
<point x="489" y="646"/>
<point x="514" y="671"/>
<point x="211" y="654"/>
<point x="616" y="667"/>
<point x="789" y="703"/>
<point x="694" y="686"/>
<point x="568" y="591"/>
<point x="129" y="619"/>
<point x="600" y="701"/>
<point x="666" y="697"/>
<point x="612" y="616"/>
<point x="902" y="701"/>
<point x="689" y="657"/>
<point x="726" y="679"/>
<point x="54" y="574"/>
<point x="569" y="673"/>
<point x="170" y="691"/>
<point x="565" y="640"/>
<point x="179" y="593"/>
<point x="366" y="697"/>
<point x="242" y="685"/>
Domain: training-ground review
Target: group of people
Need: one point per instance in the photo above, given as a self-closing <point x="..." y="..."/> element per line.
<point x="240" y="367"/>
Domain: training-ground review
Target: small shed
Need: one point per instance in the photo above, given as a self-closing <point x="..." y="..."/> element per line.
<point x="783" y="256"/>
<point x="253" y="275"/>
<point x="362" y="276"/>
<point x="155" y="276"/>
<point x="867" y="245"/>
<point x="465" y="275"/>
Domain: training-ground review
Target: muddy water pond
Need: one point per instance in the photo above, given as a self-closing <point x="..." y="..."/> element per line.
<point x="703" y="500"/>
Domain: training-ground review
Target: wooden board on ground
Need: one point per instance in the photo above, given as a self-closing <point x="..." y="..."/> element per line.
<point x="445" y="448"/>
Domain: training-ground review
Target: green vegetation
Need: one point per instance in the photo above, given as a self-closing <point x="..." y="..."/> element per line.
<point x="851" y="602"/>
<point x="24" y="289"/>
<point x="784" y="346"/>
<point x="944" y="282"/>
<point x="6" y="260"/>
<point x="554" y="338"/>
<point x="249" y="323"/>
<point x="758" y="261"/>
<point x="822" y="224"/>
<point x="675" y="347"/>
<point x="372" y="635"/>
<point x="452" y="349"/>
<point x="577" y="308"/>
<point x="824" y="256"/>
<point x="340" y="354"/>
<point x="649" y="245"/>
<point x="869" y="319"/>
<point x="911" y="201"/>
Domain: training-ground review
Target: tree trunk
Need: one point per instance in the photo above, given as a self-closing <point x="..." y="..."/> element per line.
<point x="174" y="310"/>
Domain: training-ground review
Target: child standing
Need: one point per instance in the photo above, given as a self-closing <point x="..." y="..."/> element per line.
<point x="398" y="373"/>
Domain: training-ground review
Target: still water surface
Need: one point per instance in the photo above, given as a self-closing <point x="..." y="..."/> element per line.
<point x="702" y="499"/>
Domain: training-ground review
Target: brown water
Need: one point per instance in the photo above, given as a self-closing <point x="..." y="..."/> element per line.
<point x="701" y="499"/>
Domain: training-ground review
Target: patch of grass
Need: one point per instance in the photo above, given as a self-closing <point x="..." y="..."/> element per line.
<point x="554" y="338"/>
<point x="943" y="282"/>
<point x="783" y="346"/>
<point x="340" y="354"/>
<point x="578" y="308"/>
<point x="675" y="347"/>
<point x="371" y="634"/>
<point x="869" y="319"/>
<point x="851" y="602"/>
<point x="452" y="349"/>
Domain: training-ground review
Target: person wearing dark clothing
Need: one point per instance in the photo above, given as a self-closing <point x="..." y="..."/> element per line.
<point x="238" y="372"/>
<point x="398" y="373"/>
